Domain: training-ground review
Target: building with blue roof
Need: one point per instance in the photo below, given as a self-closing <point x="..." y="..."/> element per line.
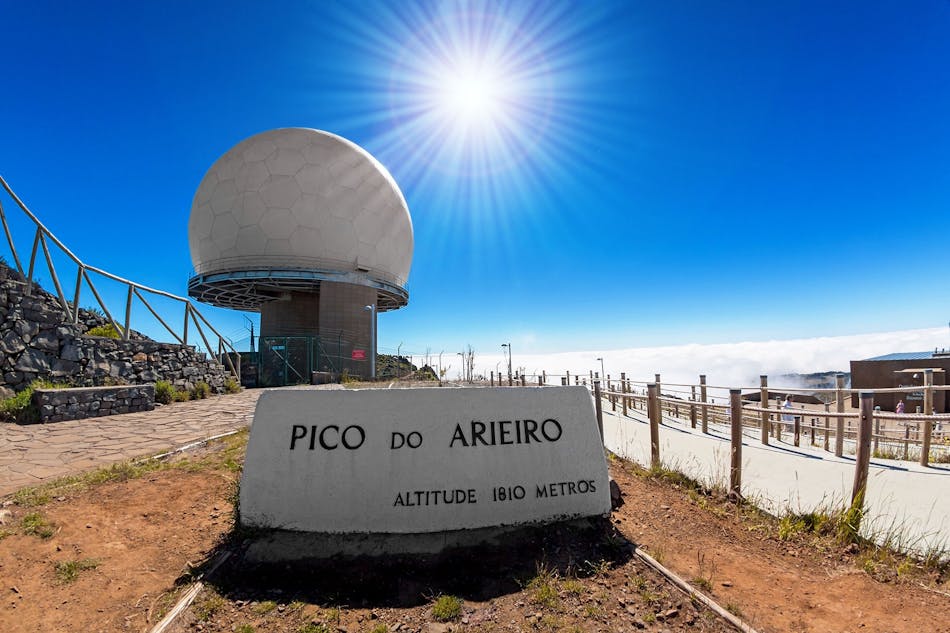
<point x="902" y="369"/>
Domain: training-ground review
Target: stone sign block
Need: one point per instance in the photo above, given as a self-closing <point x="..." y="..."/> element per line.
<point x="412" y="461"/>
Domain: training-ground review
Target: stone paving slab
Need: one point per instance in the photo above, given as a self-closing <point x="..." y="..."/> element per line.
<point x="36" y="453"/>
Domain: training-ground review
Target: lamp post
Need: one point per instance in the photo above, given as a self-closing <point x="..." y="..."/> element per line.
<point x="398" y="359"/>
<point x="602" y="374"/>
<point x="372" y="339"/>
<point x="508" y="346"/>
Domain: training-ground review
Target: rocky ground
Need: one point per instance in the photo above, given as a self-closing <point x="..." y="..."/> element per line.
<point x="113" y="551"/>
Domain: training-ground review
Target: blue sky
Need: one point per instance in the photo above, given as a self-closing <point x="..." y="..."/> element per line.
<point x="661" y="174"/>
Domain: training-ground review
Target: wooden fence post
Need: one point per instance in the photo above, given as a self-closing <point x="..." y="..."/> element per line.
<point x="764" y="403"/>
<point x="799" y="421"/>
<point x="862" y="458"/>
<point x="877" y="430"/>
<point x="623" y="389"/>
<point x="493" y="378"/>
<point x="702" y="397"/>
<point x="692" y="406"/>
<point x="659" y="393"/>
<point x="735" y="466"/>
<point x="540" y="381"/>
<point x="613" y="398"/>
<point x="928" y="410"/>
<point x="780" y="420"/>
<point x="653" y="410"/>
<point x="599" y="409"/>
<point x="827" y="423"/>
<point x="839" y="407"/>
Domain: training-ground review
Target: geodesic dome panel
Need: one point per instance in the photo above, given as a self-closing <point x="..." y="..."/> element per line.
<point x="301" y="200"/>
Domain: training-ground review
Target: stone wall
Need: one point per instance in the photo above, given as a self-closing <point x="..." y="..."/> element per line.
<point x="39" y="340"/>
<point x="57" y="405"/>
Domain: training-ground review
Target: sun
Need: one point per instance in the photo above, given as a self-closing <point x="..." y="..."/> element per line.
<point x="470" y="95"/>
<point x="470" y="91"/>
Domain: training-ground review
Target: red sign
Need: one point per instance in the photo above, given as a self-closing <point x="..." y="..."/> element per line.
<point x="359" y="354"/>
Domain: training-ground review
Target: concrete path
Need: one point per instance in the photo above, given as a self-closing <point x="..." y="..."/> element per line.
<point x="905" y="501"/>
<point x="33" y="454"/>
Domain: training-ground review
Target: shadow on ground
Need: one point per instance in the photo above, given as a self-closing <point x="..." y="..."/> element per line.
<point x="476" y="573"/>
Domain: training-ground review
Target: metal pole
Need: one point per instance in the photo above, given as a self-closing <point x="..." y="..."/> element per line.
<point x="373" y="342"/>
<point x="764" y="401"/>
<point x="928" y="410"/>
<point x="599" y="409"/>
<point x="839" y="407"/>
<point x="128" y="319"/>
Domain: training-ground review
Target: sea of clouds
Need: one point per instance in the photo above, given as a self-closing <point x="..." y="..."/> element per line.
<point x="726" y="364"/>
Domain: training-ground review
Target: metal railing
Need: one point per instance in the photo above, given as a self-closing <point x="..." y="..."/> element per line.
<point x="42" y="239"/>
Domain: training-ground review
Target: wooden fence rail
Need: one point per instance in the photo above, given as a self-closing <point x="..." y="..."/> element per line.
<point x="42" y="237"/>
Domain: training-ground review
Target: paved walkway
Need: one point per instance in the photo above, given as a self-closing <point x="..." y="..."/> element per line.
<point x="33" y="454"/>
<point x="904" y="500"/>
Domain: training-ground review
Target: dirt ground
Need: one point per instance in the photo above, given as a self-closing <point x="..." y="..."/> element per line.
<point x="115" y="556"/>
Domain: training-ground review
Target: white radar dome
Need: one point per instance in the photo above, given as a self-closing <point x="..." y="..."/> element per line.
<point x="297" y="199"/>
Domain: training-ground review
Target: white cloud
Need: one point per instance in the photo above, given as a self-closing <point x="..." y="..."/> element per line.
<point x="730" y="364"/>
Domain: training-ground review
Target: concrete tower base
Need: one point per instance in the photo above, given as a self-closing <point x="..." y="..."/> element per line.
<point x="326" y="331"/>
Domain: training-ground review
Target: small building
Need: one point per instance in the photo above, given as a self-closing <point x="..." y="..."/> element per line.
<point x="903" y="369"/>
<point x="797" y="397"/>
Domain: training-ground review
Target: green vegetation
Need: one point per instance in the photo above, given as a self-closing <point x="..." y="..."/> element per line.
<point x="316" y="627"/>
<point x="544" y="587"/>
<point x="164" y="392"/>
<point x="379" y="628"/>
<point x="244" y="628"/>
<point x="19" y="408"/>
<point x="68" y="570"/>
<point x="201" y="390"/>
<point x="181" y="396"/>
<point x="36" y="524"/>
<point x="206" y="608"/>
<point x="573" y="586"/>
<point x="849" y="521"/>
<point x="263" y="608"/>
<point x="108" y="331"/>
<point x="232" y="386"/>
<point x="447" y="608"/>
<point x="792" y="524"/>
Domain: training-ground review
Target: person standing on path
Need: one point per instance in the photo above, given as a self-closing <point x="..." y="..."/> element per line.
<point x="787" y="405"/>
<point x="900" y="407"/>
